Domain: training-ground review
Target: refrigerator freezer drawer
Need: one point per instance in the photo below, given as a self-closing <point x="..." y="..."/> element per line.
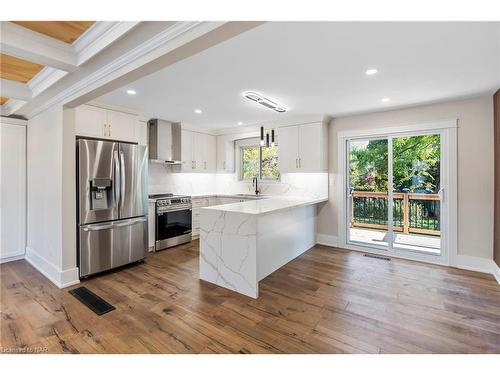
<point x="108" y="245"/>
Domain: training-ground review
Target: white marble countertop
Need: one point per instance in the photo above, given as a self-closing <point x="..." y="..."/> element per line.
<point x="215" y="195"/>
<point x="268" y="205"/>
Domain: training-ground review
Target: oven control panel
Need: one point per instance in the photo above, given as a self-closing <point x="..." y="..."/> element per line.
<point x="173" y="204"/>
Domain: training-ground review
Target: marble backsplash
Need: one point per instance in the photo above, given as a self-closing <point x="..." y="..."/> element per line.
<point x="163" y="178"/>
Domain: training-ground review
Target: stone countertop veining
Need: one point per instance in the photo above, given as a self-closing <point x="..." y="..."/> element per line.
<point x="264" y="206"/>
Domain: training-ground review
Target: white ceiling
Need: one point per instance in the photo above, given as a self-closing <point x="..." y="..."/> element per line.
<point x="318" y="68"/>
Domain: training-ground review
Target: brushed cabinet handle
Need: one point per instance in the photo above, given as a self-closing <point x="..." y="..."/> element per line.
<point x="224" y="165"/>
<point x="205" y="165"/>
<point x="300" y="163"/>
<point x="296" y="163"/>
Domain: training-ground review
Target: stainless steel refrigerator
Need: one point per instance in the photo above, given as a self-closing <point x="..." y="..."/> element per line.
<point x="112" y="196"/>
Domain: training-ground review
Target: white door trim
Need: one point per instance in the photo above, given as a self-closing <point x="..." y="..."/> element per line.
<point x="448" y="132"/>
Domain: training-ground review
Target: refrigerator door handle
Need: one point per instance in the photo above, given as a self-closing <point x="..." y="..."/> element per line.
<point x="117" y="180"/>
<point x="94" y="227"/>
<point x="122" y="180"/>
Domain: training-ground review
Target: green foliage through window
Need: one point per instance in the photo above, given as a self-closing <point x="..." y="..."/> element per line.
<point x="416" y="164"/>
<point x="259" y="162"/>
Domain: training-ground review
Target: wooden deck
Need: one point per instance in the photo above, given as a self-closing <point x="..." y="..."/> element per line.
<point x="326" y="301"/>
<point x="411" y="241"/>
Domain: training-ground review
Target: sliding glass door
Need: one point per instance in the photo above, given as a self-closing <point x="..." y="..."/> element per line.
<point x="416" y="186"/>
<point x="368" y="221"/>
<point x="394" y="192"/>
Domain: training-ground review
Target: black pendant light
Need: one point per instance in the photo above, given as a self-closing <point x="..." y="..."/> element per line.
<point x="272" y="138"/>
<point x="262" y="136"/>
<point x="267" y="140"/>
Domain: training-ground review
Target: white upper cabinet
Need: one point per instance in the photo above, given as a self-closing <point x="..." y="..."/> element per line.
<point x="123" y="126"/>
<point x="91" y="121"/>
<point x="288" y="148"/>
<point x="198" y="152"/>
<point x="209" y="150"/>
<point x="187" y="156"/>
<point x="303" y="148"/>
<point x="225" y="154"/>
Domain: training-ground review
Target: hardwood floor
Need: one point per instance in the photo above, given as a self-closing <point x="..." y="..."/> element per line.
<point x="326" y="301"/>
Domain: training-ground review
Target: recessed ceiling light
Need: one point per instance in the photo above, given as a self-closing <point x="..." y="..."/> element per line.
<point x="258" y="98"/>
<point x="198" y="111"/>
<point x="131" y="92"/>
<point x="371" y="71"/>
<point x="240" y="123"/>
<point x="385" y="100"/>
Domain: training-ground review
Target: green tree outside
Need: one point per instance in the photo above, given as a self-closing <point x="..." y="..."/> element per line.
<point x="416" y="164"/>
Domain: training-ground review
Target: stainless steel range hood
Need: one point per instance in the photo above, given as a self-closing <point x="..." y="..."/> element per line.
<point x="164" y="141"/>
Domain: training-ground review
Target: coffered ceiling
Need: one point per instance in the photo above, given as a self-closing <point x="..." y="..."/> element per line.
<point x="37" y="54"/>
<point x="18" y="70"/>
<point x="65" y="31"/>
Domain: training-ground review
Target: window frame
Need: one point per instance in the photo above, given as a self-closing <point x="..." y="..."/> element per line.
<point x="240" y="163"/>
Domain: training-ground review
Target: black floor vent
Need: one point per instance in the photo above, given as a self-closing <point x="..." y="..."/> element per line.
<point x="91" y="300"/>
<point x="377" y="257"/>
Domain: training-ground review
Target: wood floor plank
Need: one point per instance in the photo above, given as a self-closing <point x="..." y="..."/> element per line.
<point x="326" y="301"/>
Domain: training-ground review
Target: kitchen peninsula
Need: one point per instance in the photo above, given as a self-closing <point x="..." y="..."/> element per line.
<point x="242" y="243"/>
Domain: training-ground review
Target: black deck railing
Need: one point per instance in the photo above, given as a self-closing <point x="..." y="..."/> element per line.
<point x="412" y="212"/>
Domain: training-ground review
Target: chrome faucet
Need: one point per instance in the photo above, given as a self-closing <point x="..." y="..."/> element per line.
<point x="255" y="183"/>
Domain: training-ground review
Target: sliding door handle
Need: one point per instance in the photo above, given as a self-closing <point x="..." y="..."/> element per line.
<point x="441" y="194"/>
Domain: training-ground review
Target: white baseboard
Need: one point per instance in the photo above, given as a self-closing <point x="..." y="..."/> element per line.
<point x="477" y="264"/>
<point x="465" y="262"/>
<point x="12" y="258"/>
<point x="60" y="278"/>
<point x="496" y="272"/>
<point x="327" y="240"/>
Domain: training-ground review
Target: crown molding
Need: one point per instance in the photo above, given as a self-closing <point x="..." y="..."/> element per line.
<point x="11" y="106"/>
<point x="44" y="79"/>
<point x="13" y="121"/>
<point x="14" y="90"/>
<point x="162" y="39"/>
<point x="98" y="37"/>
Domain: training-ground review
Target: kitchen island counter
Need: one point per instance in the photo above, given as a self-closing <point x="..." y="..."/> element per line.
<point x="242" y="243"/>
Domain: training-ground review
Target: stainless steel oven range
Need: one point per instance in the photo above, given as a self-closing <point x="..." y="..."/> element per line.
<point x="173" y="220"/>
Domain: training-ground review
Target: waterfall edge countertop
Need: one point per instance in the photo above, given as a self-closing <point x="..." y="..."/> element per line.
<point x="266" y="205"/>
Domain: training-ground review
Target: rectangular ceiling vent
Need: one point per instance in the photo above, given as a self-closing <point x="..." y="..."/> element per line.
<point x="258" y="98"/>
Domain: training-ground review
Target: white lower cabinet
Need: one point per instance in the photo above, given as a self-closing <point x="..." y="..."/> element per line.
<point x="200" y="202"/>
<point x="13" y="190"/>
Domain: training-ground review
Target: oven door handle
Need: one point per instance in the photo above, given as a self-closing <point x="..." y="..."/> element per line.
<point x="179" y="209"/>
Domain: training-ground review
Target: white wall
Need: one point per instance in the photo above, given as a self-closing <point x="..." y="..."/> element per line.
<point x="45" y="248"/>
<point x="475" y="166"/>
